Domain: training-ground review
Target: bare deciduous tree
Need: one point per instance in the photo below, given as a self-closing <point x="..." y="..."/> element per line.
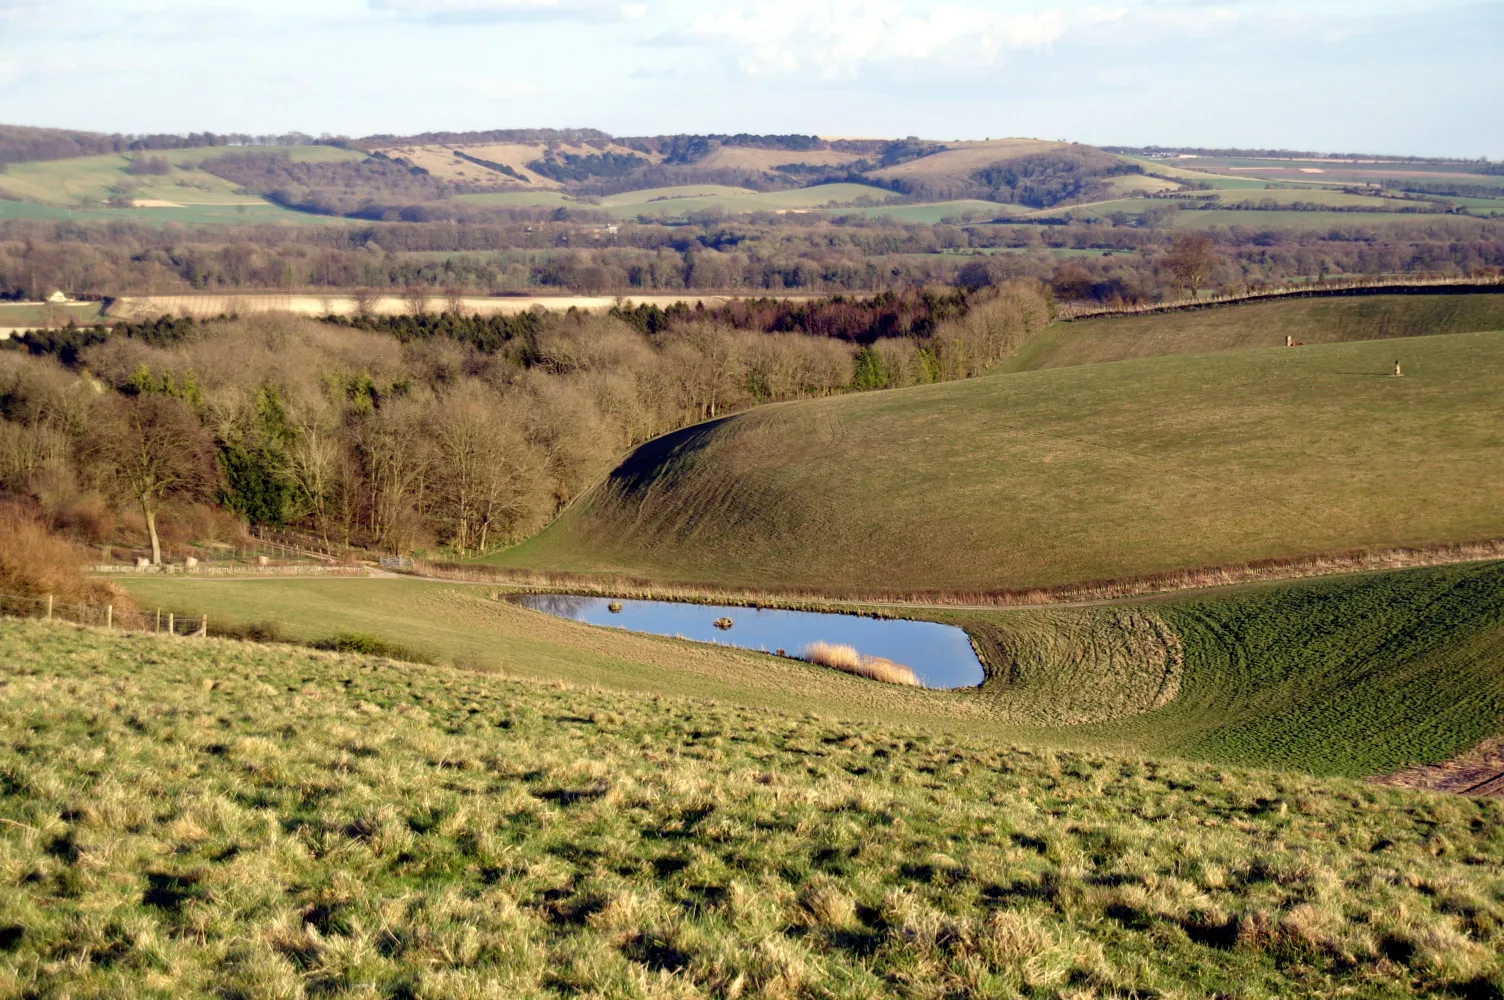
<point x="154" y="449"/>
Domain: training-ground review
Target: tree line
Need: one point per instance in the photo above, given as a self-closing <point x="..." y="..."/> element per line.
<point x="1086" y="260"/>
<point x="452" y="430"/>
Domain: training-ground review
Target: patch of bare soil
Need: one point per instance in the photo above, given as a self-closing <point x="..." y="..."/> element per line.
<point x="1478" y="772"/>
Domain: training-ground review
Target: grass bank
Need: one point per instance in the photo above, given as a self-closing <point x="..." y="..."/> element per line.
<point x="1356" y="675"/>
<point x="1258" y="325"/>
<point x="220" y="819"/>
<point x="1038" y="479"/>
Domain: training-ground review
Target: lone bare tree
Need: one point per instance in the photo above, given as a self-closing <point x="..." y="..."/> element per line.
<point x="153" y="449"/>
<point x="1191" y="261"/>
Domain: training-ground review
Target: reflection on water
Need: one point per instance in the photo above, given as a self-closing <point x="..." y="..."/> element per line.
<point x="941" y="655"/>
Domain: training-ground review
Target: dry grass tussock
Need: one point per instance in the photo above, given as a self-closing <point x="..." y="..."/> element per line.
<point x="846" y="658"/>
<point x="433" y="833"/>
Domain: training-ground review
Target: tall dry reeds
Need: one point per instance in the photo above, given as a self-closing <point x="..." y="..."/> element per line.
<point x="847" y="659"/>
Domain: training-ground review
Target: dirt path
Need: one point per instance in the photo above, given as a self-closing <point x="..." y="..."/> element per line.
<point x="1479" y="772"/>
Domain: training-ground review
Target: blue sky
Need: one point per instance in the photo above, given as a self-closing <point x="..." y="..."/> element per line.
<point x="1403" y="76"/>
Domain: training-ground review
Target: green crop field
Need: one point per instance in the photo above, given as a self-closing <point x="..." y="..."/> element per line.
<point x="933" y="212"/>
<point x="242" y="213"/>
<point x="1072" y="474"/>
<point x="209" y="818"/>
<point x="681" y="201"/>
<point x="1301" y="675"/>
<point x="1312" y="221"/>
<point x="519" y="199"/>
<point x="17" y="314"/>
<point x="1260" y="325"/>
<point x="74" y="183"/>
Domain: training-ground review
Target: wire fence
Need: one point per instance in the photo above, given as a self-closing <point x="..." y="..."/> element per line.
<point x="104" y="616"/>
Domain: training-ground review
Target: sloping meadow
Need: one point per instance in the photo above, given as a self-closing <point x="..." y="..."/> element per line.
<point x="224" y="819"/>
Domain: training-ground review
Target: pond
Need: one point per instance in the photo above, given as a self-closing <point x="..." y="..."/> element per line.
<point x="941" y="655"/>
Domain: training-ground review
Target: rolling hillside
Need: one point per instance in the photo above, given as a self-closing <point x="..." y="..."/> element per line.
<point x="1060" y="476"/>
<point x="1258" y="325"/>
<point x="220" y="819"/>
<point x="1301" y="675"/>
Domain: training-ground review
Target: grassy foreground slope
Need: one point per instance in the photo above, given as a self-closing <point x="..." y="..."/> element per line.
<point x="1052" y="477"/>
<point x="1259" y="325"/>
<point x="1355" y="675"/>
<point x="217" y="819"/>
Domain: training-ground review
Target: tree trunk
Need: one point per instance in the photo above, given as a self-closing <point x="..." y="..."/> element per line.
<point x="151" y="526"/>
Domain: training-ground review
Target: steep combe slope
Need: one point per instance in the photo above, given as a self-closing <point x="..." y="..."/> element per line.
<point x="1061" y="476"/>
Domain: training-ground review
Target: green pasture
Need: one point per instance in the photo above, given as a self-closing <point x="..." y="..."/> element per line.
<point x="77" y="182"/>
<point x="218" y="819"/>
<point x="1303" y="676"/>
<point x="239" y="214"/>
<point x="1256" y="325"/>
<point x="677" y="202"/>
<point x="520" y="199"/>
<point x="933" y="212"/>
<point x="1061" y="476"/>
<point x="16" y="314"/>
<point x="1313" y="221"/>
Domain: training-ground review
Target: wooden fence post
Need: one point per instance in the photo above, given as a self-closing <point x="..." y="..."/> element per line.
<point x="171" y="624"/>
<point x="158" y="626"/>
<point x="109" y="617"/>
<point x="49" y="607"/>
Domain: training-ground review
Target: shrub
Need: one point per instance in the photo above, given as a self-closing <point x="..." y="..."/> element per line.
<point x="370" y="645"/>
<point x="35" y="563"/>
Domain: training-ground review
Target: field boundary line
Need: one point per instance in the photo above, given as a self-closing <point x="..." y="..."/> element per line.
<point x="1090" y="593"/>
<point x="1325" y="289"/>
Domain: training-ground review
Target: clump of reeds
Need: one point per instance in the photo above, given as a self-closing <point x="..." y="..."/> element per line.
<point x="846" y="658"/>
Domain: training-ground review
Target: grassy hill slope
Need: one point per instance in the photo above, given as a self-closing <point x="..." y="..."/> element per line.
<point x="1355" y="675"/>
<point x="215" y="819"/>
<point x="1052" y="477"/>
<point x="1258" y="325"/>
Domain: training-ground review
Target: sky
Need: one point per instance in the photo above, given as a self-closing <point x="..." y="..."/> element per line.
<point x="1384" y="76"/>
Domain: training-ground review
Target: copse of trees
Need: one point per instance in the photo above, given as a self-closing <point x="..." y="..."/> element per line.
<point x="406" y="432"/>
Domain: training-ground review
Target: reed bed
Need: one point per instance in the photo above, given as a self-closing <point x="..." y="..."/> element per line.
<point x="846" y="658"/>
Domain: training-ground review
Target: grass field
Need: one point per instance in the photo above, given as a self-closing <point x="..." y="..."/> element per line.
<point x="1073" y="474"/>
<point x="229" y="215"/>
<point x="17" y="314"/>
<point x="519" y="199"/>
<point x="218" y="819"/>
<point x="1260" y="325"/>
<point x="677" y="202"/>
<point x="930" y="213"/>
<point x="72" y="183"/>
<point x="1302" y="675"/>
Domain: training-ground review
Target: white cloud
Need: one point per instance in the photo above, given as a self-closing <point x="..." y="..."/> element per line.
<point x="471" y="11"/>
<point x="838" y="37"/>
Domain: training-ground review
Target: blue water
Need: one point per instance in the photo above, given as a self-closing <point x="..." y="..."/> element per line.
<point x="940" y="654"/>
